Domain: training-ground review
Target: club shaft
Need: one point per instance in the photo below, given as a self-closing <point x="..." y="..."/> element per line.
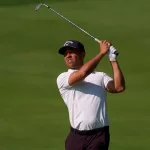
<point x="71" y="22"/>
<point x="97" y="40"/>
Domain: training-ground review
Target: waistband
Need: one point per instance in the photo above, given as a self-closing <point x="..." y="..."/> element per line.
<point x="89" y="132"/>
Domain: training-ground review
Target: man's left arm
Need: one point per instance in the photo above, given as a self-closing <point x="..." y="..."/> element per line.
<point x="117" y="85"/>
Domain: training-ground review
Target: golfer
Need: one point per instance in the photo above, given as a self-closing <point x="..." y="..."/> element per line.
<point x="84" y="93"/>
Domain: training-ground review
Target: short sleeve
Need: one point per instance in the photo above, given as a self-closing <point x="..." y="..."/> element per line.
<point x="62" y="80"/>
<point x="106" y="79"/>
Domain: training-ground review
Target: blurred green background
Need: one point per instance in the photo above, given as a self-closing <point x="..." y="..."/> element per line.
<point x="32" y="114"/>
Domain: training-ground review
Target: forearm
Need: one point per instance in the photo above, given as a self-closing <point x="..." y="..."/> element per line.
<point x="119" y="81"/>
<point x="89" y="66"/>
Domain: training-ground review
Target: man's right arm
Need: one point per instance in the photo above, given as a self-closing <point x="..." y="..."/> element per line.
<point x="89" y="66"/>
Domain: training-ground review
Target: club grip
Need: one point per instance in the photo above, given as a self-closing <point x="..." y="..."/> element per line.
<point x="97" y="40"/>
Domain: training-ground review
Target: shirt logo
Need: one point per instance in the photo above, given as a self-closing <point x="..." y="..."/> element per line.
<point x="68" y="42"/>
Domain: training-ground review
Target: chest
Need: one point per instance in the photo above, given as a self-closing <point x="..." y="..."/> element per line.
<point x="91" y="85"/>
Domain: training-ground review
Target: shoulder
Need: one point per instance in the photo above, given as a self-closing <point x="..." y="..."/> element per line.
<point x="96" y="77"/>
<point x="100" y="74"/>
<point x="61" y="76"/>
<point x="62" y="80"/>
<point x="104" y="77"/>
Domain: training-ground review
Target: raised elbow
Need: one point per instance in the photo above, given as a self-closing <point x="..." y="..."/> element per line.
<point x="120" y="89"/>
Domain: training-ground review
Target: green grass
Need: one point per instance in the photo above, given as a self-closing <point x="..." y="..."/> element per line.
<point x="32" y="114"/>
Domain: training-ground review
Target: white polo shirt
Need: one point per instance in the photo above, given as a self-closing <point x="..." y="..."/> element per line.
<point x="86" y="101"/>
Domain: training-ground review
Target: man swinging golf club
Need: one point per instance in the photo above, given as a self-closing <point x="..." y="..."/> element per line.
<point x="84" y="92"/>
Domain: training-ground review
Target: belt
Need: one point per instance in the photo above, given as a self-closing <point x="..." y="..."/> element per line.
<point x="89" y="132"/>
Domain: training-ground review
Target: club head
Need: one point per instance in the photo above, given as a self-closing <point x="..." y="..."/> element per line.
<point x="38" y="6"/>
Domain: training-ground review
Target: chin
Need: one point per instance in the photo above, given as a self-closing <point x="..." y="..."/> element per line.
<point x="71" y="67"/>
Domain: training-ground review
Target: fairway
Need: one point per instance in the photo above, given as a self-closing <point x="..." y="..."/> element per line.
<point x="32" y="114"/>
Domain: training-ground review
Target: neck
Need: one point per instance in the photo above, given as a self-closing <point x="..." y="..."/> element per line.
<point x="77" y="67"/>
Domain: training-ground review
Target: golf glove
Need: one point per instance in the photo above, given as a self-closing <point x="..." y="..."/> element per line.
<point x="112" y="54"/>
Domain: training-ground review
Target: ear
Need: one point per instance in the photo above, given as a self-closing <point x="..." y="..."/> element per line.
<point x="83" y="54"/>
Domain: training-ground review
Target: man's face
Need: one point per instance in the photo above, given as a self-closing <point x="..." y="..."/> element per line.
<point x="73" y="58"/>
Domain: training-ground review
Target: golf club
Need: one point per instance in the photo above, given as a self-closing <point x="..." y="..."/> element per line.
<point x="42" y="4"/>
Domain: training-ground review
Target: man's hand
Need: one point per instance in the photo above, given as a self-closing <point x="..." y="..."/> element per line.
<point x="104" y="47"/>
<point x="112" y="54"/>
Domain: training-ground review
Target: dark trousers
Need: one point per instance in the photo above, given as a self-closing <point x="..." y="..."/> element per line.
<point x="97" y="139"/>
